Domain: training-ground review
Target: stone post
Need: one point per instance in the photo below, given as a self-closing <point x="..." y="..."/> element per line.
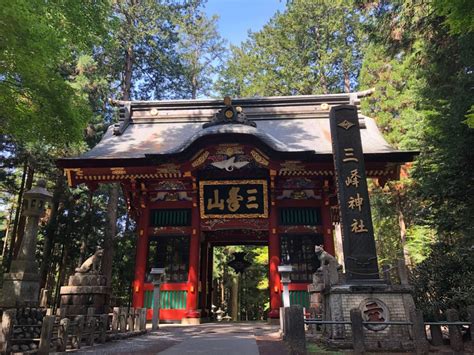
<point x="436" y="335"/>
<point x="115" y="319"/>
<point x="470" y="310"/>
<point x="44" y="297"/>
<point x="104" y="320"/>
<point x="419" y="334"/>
<point x="357" y="331"/>
<point x="142" y="318"/>
<point x="455" y="336"/>
<point x="8" y="317"/>
<point x="123" y="319"/>
<point x="131" y="319"/>
<point x="137" y="319"/>
<point x="63" y="331"/>
<point x="295" y="330"/>
<point x="77" y="338"/>
<point x="159" y="276"/>
<point x="46" y="334"/>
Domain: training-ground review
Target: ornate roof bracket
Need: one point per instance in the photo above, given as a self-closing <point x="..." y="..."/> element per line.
<point x="124" y="117"/>
<point x="229" y="115"/>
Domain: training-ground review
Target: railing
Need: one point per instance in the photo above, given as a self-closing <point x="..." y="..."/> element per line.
<point x="417" y="324"/>
<point x="58" y="332"/>
<point x="293" y="327"/>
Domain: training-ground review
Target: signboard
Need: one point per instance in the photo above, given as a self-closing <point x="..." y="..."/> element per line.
<point x="233" y="199"/>
<point x="360" y="256"/>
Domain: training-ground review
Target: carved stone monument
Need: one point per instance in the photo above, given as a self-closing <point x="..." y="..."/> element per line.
<point x="360" y="287"/>
<point x="86" y="288"/>
<point x="21" y="284"/>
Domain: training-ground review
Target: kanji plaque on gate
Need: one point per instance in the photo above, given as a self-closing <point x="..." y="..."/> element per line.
<point x="233" y="199"/>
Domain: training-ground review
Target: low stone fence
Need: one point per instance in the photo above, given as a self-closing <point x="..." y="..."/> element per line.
<point x="36" y="330"/>
<point x="294" y="322"/>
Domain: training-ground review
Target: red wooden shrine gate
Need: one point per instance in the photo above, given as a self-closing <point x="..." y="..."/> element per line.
<point x="202" y="173"/>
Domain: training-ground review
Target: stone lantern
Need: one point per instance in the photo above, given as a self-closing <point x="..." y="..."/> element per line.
<point x="21" y="284"/>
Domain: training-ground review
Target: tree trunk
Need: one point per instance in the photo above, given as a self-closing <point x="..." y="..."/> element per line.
<point x="51" y="230"/>
<point x="112" y="204"/>
<point x="347" y="82"/>
<point x="324" y="83"/>
<point x="110" y="232"/>
<point x="7" y="232"/>
<point x="127" y="77"/>
<point x="17" y="217"/>
<point x="22" y="223"/>
<point x="61" y="274"/>
<point x="193" y="87"/>
<point x="403" y="230"/>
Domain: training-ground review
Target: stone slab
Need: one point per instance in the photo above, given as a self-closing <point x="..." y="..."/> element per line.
<point x="191" y="321"/>
<point x="20" y="293"/>
<point x="73" y="290"/>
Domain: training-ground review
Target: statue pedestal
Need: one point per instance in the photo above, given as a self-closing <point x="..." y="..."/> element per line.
<point x="85" y="290"/>
<point x="333" y="298"/>
<point x="21" y="285"/>
<point x="377" y="302"/>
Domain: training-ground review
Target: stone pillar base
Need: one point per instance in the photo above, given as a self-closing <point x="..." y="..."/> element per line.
<point x="377" y="302"/>
<point x="20" y="289"/>
<point x="191" y="321"/>
<point x="273" y="321"/>
<point x="274" y="313"/>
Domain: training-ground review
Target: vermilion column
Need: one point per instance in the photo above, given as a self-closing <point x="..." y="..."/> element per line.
<point x="193" y="292"/>
<point x="327" y="225"/>
<point x="274" y="261"/>
<point x="141" y="257"/>
<point x="205" y="264"/>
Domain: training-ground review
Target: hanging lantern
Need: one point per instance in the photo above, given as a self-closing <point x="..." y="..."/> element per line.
<point x="239" y="264"/>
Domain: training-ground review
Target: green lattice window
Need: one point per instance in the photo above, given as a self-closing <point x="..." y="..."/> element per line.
<point x="296" y="216"/>
<point x="168" y="299"/>
<point x="299" y="297"/>
<point x="170" y="217"/>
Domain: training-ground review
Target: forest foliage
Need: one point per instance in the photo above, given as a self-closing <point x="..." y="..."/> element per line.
<point x="60" y="62"/>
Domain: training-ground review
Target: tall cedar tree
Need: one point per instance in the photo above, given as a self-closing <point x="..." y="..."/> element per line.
<point x="313" y="47"/>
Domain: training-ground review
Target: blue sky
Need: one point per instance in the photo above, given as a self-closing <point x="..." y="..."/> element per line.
<point x="236" y="17"/>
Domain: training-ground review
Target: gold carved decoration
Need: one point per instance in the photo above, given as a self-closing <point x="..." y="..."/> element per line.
<point x="236" y="215"/>
<point x="168" y="169"/>
<point x="229" y="149"/>
<point x="259" y="158"/>
<point x="68" y="172"/>
<point x="118" y="171"/>
<point x="200" y="160"/>
<point x="290" y="166"/>
<point x="345" y="124"/>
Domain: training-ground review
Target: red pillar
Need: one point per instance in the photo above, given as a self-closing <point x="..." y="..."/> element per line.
<point x="141" y="257"/>
<point x="274" y="260"/>
<point x="327" y="225"/>
<point x="204" y="277"/>
<point x="193" y="292"/>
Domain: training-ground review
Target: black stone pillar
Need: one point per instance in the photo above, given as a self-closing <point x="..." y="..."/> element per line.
<point x="360" y="256"/>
